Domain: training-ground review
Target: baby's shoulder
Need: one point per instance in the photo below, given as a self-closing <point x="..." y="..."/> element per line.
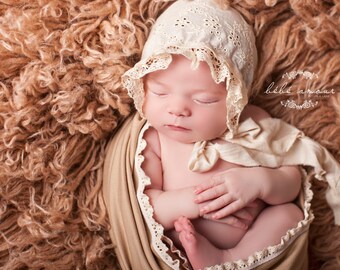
<point x="152" y="141"/>
<point x="254" y="112"/>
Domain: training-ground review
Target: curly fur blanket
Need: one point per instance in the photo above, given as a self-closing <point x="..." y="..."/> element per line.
<point x="61" y="99"/>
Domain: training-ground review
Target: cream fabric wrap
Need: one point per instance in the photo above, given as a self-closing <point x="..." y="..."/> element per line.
<point x="129" y="232"/>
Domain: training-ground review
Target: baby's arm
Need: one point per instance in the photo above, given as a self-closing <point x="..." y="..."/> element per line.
<point x="279" y="185"/>
<point x="232" y="190"/>
<point x="168" y="205"/>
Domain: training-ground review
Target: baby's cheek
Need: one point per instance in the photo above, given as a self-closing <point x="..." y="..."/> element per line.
<point x="148" y="107"/>
<point x="216" y="125"/>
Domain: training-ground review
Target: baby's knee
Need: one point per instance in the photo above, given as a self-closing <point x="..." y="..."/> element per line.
<point x="289" y="214"/>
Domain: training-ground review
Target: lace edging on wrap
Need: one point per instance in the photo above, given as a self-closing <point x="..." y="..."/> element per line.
<point x="156" y="229"/>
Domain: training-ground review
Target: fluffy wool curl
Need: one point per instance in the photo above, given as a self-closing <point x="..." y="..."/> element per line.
<point x="61" y="99"/>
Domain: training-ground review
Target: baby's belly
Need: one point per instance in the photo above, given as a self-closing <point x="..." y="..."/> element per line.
<point x="221" y="235"/>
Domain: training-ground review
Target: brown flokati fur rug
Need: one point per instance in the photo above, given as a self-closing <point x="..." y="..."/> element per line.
<point x="61" y="99"/>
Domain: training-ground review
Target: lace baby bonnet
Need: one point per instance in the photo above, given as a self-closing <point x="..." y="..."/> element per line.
<point x="200" y="31"/>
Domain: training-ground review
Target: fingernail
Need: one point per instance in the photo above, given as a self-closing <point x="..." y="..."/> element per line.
<point x="203" y="210"/>
<point x="198" y="198"/>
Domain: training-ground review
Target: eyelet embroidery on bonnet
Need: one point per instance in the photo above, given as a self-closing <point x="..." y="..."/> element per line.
<point x="201" y="31"/>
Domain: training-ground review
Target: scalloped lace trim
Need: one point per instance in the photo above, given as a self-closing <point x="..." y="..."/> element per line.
<point x="158" y="239"/>
<point x="156" y="229"/>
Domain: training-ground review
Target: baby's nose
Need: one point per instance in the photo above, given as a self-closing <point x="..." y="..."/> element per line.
<point x="179" y="108"/>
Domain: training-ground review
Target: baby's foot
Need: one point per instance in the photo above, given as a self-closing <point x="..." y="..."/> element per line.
<point x="200" y="251"/>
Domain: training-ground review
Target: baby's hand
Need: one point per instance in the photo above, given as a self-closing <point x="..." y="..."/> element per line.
<point x="228" y="192"/>
<point x="243" y="218"/>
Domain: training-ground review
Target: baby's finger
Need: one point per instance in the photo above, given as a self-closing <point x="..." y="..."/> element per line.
<point x="230" y="220"/>
<point x="216" y="204"/>
<point x="211" y="193"/>
<point x="204" y="186"/>
<point x="229" y="209"/>
<point x="244" y="214"/>
<point x="214" y="181"/>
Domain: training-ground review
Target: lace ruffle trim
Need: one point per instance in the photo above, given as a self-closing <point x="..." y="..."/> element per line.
<point x="157" y="230"/>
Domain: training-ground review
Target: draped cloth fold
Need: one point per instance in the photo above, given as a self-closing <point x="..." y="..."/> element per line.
<point x="272" y="143"/>
<point x="130" y="234"/>
<point x="128" y="231"/>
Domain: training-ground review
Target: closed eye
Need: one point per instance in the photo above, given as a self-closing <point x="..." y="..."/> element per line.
<point x="159" y="94"/>
<point x="206" y="102"/>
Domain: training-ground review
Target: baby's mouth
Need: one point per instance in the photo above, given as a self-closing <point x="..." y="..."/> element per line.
<point x="177" y="128"/>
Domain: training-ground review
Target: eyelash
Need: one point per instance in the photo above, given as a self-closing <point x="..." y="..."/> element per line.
<point x="201" y="102"/>
<point x="159" y="94"/>
<point x="205" y="102"/>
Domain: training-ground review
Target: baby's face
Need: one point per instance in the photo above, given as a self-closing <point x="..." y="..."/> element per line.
<point x="184" y="104"/>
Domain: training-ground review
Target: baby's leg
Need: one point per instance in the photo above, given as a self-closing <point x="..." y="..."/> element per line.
<point x="266" y="231"/>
